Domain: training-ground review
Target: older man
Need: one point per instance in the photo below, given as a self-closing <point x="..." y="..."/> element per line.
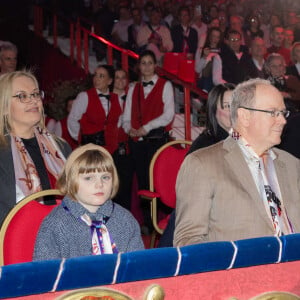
<point x="241" y="187"/>
<point x="8" y="57"/>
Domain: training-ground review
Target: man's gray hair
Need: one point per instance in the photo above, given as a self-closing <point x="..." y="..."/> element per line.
<point x="6" y="45"/>
<point x="244" y="95"/>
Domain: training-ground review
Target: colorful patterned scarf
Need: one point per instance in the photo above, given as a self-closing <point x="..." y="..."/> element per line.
<point x="101" y="241"/>
<point x="268" y="186"/>
<point x="26" y="175"/>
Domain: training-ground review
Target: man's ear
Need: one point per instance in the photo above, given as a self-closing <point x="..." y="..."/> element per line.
<point x="244" y="116"/>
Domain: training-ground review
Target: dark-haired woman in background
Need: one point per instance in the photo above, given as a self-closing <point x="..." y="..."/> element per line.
<point x="205" y="56"/>
<point x="218" y="124"/>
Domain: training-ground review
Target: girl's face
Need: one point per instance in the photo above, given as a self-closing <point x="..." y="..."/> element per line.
<point x="214" y="38"/>
<point x="101" y="79"/>
<point x="94" y="189"/>
<point x="223" y="114"/>
<point x="147" y="66"/>
<point x="120" y="80"/>
<point x="24" y="116"/>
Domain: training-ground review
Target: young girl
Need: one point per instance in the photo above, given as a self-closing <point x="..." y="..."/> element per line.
<point x="87" y="222"/>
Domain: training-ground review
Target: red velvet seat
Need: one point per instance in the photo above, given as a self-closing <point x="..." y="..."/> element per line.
<point x="172" y="60"/>
<point x="163" y="171"/>
<point x="20" y="227"/>
<point x="186" y="70"/>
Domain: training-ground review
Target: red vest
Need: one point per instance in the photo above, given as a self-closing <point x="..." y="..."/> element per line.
<point x="95" y="120"/>
<point x="122" y="135"/>
<point x="146" y="109"/>
<point x="66" y="135"/>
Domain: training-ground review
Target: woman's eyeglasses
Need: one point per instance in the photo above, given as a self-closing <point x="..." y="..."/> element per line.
<point x="27" y="98"/>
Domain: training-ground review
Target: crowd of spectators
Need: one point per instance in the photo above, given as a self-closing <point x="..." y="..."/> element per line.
<point x="229" y="40"/>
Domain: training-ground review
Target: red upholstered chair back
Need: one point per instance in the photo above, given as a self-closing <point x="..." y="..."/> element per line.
<point x="19" y="229"/>
<point x="186" y="70"/>
<point x="171" y="61"/>
<point x="165" y="170"/>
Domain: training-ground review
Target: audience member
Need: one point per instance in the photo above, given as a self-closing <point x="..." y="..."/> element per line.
<point x="230" y="65"/>
<point x="25" y="168"/>
<point x="214" y="23"/>
<point x="185" y="37"/>
<point x="87" y="222"/>
<point x="249" y="189"/>
<point x="288" y="85"/>
<point x="119" y="32"/>
<point x="256" y="63"/>
<point x="167" y="11"/>
<point x="200" y="26"/>
<point x="223" y="21"/>
<point x="104" y="21"/>
<point x="236" y="23"/>
<point x="133" y="30"/>
<point x="148" y="7"/>
<point x="95" y="113"/>
<point x="148" y="115"/>
<point x="294" y="69"/>
<point x="252" y="29"/>
<point x="288" y="38"/>
<point x="155" y="37"/>
<point x="277" y="38"/>
<point x="8" y="57"/>
<point x="204" y="58"/>
<point x="213" y="13"/>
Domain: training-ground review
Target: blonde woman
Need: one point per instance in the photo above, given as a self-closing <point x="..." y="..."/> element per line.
<point x="30" y="157"/>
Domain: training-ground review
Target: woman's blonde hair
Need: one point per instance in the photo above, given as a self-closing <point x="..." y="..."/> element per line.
<point x="86" y="159"/>
<point x="6" y="81"/>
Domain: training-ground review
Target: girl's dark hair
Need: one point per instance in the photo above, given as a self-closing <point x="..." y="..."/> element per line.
<point x="147" y="53"/>
<point x="110" y="70"/>
<point x="216" y="94"/>
<point x="207" y="41"/>
<point x="111" y="73"/>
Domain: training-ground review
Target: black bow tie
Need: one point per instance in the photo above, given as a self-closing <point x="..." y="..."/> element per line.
<point x="123" y="97"/>
<point x="105" y="96"/>
<point x="148" y="83"/>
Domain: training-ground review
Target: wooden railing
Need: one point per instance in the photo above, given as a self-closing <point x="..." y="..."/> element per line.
<point x="79" y="36"/>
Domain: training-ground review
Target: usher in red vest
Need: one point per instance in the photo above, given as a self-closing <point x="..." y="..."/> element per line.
<point x="66" y="135"/>
<point x="146" y="109"/>
<point x="95" y="120"/>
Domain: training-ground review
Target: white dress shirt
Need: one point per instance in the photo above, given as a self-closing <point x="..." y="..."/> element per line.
<point x="168" y="112"/>
<point x="79" y="107"/>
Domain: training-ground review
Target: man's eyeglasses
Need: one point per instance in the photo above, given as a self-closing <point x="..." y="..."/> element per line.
<point x="273" y="113"/>
<point x="27" y="98"/>
<point x="234" y="39"/>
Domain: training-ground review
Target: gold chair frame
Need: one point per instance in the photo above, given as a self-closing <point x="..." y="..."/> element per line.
<point x="153" y="200"/>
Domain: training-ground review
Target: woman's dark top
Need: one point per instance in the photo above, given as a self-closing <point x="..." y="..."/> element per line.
<point x="205" y="139"/>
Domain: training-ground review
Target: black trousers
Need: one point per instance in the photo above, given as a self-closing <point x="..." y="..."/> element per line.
<point x="142" y="153"/>
<point x="125" y="170"/>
